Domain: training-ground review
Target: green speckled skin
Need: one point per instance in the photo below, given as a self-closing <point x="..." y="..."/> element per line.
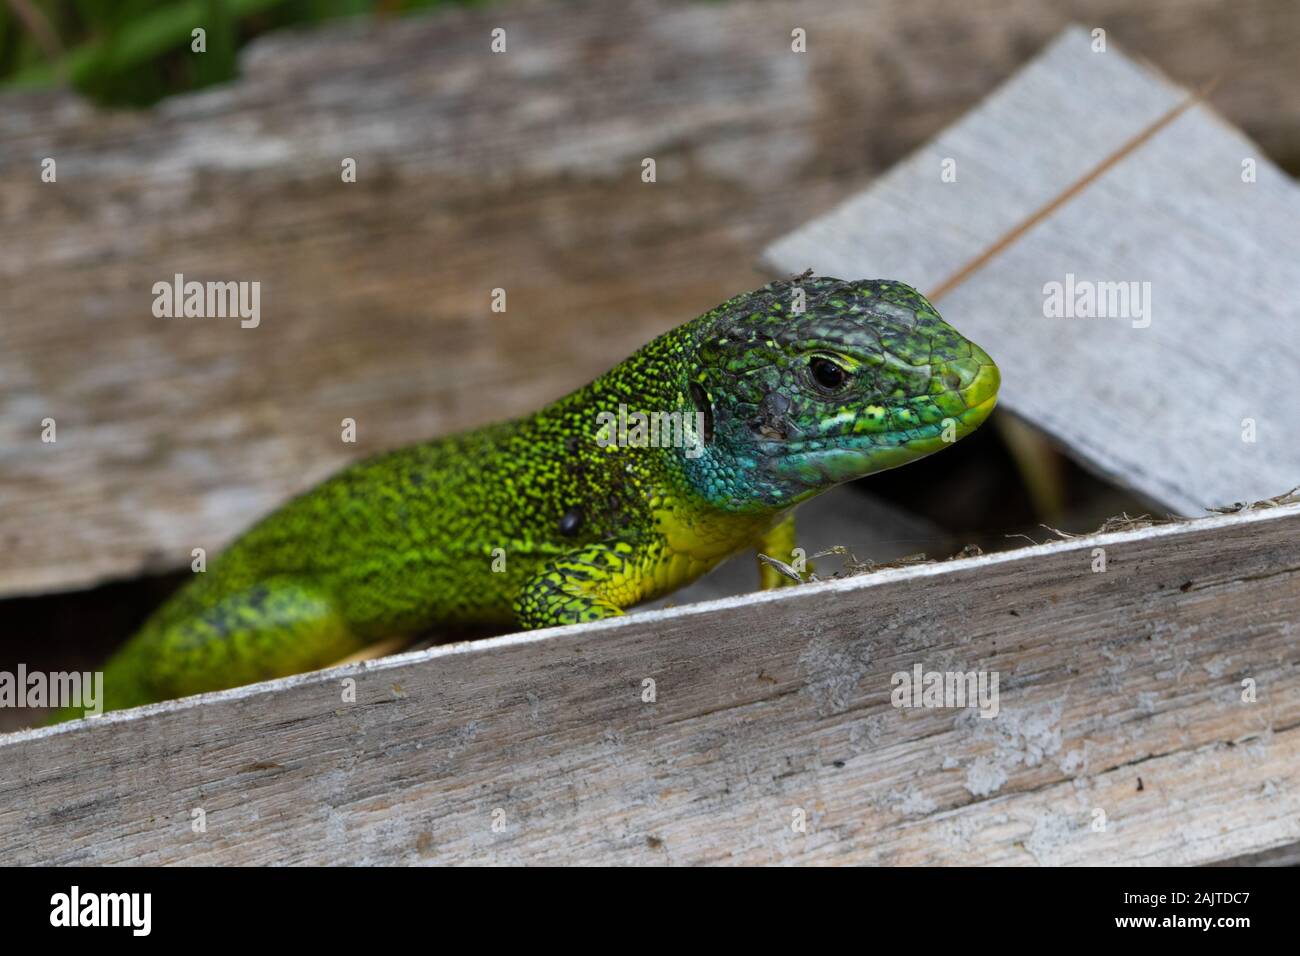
<point x="537" y="521"/>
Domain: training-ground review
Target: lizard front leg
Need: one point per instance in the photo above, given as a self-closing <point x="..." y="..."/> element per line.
<point x="586" y="584"/>
<point x="777" y="543"/>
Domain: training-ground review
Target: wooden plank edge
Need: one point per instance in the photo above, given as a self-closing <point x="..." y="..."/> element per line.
<point x="865" y="582"/>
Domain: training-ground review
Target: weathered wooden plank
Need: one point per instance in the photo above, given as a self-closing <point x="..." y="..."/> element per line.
<point x="1287" y="855"/>
<point x="1176" y="381"/>
<point x="475" y="172"/>
<point x="1120" y="691"/>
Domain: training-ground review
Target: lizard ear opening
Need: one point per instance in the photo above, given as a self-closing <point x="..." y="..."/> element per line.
<point x="701" y="399"/>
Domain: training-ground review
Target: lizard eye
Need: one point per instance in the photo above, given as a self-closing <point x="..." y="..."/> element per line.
<point x="827" y="374"/>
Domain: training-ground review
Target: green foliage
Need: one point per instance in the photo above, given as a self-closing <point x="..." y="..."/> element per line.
<point x="135" y="52"/>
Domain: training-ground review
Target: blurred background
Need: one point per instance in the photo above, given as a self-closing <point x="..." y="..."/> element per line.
<point x="474" y="171"/>
<point x="133" y="53"/>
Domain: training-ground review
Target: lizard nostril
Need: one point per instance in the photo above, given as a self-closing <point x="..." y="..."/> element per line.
<point x="958" y="373"/>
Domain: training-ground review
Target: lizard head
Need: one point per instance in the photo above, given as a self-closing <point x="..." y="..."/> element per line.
<point x="808" y="383"/>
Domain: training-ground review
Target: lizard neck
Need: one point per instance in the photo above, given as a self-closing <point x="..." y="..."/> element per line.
<point x="664" y="384"/>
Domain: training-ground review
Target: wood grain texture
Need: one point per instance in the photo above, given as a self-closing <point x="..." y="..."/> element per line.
<point x="475" y="172"/>
<point x="1155" y="396"/>
<point x="1120" y="691"/>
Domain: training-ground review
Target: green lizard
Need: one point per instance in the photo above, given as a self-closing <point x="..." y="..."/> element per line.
<point x="551" y="520"/>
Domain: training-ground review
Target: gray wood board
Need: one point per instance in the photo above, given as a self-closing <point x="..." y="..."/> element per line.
<point x="1120" y="692"/>
<point x="1159" y="409"/>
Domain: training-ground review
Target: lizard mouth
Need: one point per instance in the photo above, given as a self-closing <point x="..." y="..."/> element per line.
<point x="832" y="458"/>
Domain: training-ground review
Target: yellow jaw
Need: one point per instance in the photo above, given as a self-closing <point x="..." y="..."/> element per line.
<point x="696" y="540"/>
